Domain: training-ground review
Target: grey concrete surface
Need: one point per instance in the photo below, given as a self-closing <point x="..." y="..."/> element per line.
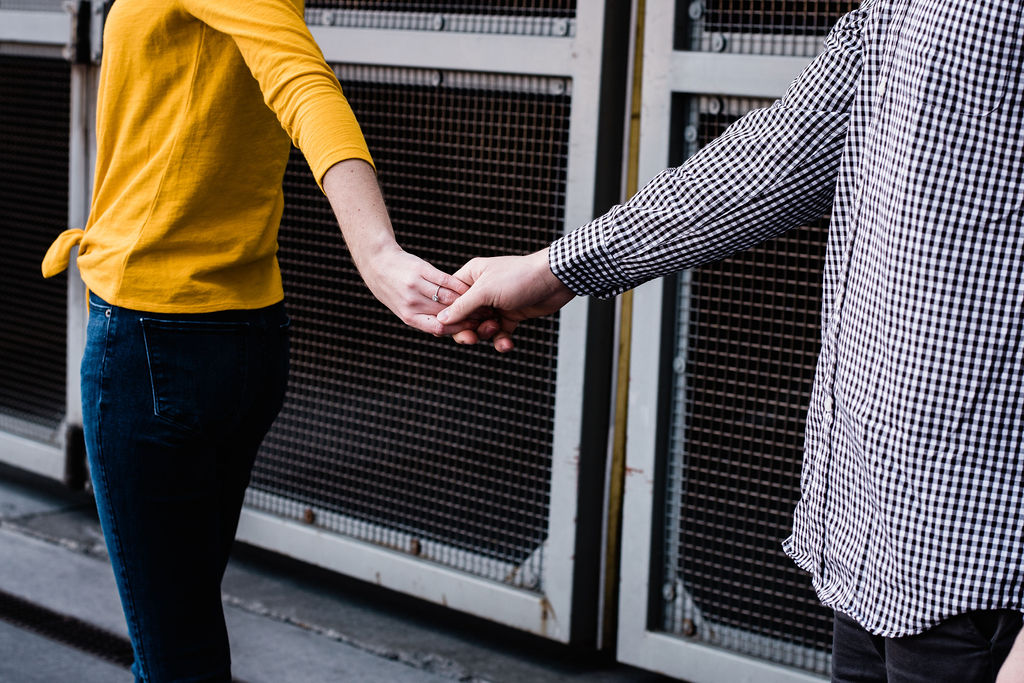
<point x="29" y="658"/>
<point x="287" y="621"/>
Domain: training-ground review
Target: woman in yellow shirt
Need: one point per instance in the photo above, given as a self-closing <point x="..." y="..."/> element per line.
<point x="187" y="351"/>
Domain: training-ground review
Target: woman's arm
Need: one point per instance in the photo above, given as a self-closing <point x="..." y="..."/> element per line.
<point x="301" y="89"/>
<point x="404" y="283"/>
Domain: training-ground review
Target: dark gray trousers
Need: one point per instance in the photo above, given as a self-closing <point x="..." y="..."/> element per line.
<point x="968" y="648"/>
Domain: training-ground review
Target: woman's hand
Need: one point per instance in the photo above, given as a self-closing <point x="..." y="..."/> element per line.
<point x="412" y="289"/>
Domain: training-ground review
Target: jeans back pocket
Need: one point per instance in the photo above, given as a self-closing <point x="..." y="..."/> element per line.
<point x="198" y="370"/>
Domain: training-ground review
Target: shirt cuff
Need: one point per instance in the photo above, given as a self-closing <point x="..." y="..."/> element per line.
<point x="584" y="264"/>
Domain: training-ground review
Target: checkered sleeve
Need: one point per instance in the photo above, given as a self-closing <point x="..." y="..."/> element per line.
<point x="773" y="169"/>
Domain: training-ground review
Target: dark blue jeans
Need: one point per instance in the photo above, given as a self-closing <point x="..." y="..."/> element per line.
<point x="967" y="648"/>
<point x="175" y="408"/>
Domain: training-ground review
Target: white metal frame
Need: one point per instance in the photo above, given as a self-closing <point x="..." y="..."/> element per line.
<point x="571" y="50"/>
<point x="666" y="71"/>
<point x="52" y="34"/>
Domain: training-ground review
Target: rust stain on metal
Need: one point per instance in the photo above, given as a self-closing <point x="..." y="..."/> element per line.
<point x="414" y="547"/>
<point x="547" y="614"/>
<point x="633" y="470"/>
<point x="689" y="628"/>
<point x="309" y="516"/>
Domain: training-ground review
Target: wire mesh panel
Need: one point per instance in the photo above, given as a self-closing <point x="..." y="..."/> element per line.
<point x="769" y="27"/>
<point x="391" y="436"/>
<point x="746" y="346"/>
<point x="552" y="18"/>
<point x="532" y="8"/>
<point x="34" y="130"/>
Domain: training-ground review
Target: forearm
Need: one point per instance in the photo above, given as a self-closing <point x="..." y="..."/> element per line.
<point x="773" y="169"/>
<point x="750" y="187"/>
<point x="351" y="188"/>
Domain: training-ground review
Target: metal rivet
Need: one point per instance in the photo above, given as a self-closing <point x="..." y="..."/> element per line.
<point x="690" y="134"/>
<point x="438" y="22"/>
<point x="718" y="42"/>
<point x="558" y="87"/>
<point x="714" y="106"/>
<point x="106" y="312"/>
<point x="689" y="628"/>
<point x="560" y="27"/>
<point x="309" y="516"/>
<point x="436" y="79"/>
<point x="679" y="363"/>
<point x="668" y="591"/>
<point x="696" y="10"/>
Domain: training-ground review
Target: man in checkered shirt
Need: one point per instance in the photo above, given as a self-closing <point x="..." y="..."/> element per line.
<point x="909" y="127"/>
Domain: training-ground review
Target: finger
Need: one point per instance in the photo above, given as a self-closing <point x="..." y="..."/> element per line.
<point x="503" y="342"/>
<point x="456" y="328"/>
<point x="439" y="277"/>
<point x="438" y="294"/>
<point x="488" y="328"/>
<point x="462" y="308"/>
<point x="428" y="323"/>
<point x="465" y="274"/>
<point x="453" y="283"/>
<point x="466" y="337"/>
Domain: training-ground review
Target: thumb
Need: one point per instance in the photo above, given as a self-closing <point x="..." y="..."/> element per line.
<point x="463" y="307"/>
<point x="468" y="301"/>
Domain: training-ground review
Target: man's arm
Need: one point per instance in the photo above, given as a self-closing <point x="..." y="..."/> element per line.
<point x="773" y="169"/>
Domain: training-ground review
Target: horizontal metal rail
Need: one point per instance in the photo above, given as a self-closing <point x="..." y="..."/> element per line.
<point x="39" y="28"/>
<point x="401" y="572"/>
<point x="41" y="458"/>
<point x="739" y="75"/>
<point x="441" y="50"/>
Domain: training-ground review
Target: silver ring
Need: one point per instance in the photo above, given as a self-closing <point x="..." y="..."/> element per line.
<point x="436" y="293"/>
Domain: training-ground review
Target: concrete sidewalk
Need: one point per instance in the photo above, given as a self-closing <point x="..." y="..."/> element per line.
<point x="287" y="621"/>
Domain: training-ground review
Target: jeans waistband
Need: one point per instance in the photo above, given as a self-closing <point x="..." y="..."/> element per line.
<point x="273" y="315"/>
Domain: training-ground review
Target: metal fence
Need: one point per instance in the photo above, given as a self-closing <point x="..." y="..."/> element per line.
<point x="744" y="351"/>
<point x="454" y="474"/>
<point x="722" y="366"/>
<point x="42" y="131"/>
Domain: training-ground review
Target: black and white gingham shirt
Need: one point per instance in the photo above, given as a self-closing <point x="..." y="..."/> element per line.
<point x="909" y="125"/>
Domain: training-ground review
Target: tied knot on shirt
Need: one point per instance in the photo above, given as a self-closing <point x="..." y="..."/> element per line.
<point x="58" y="256"/>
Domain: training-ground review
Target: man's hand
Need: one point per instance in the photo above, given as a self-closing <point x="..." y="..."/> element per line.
<point x="513" y="287"/>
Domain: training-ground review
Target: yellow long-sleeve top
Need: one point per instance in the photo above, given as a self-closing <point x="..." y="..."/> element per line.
<point x="197" y="102"/>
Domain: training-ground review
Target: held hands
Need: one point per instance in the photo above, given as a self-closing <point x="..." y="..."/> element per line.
<point x="503" y="292"/>
<point x="496" y="293"/>
<point x="412" y="289"/>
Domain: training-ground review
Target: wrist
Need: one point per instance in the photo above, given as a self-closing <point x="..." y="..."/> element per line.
<point x="545" y="276"/>
<point x="368" y="254"/>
